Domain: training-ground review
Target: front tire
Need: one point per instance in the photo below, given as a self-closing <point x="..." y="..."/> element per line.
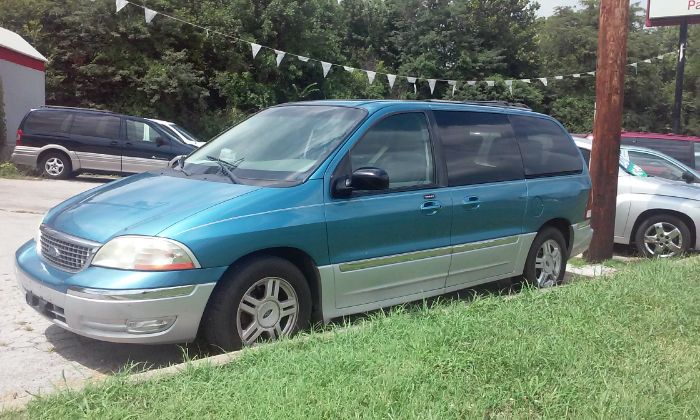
<point x="546" y="262"/>
<point x="662" y="236"/>
<point x="262" y="299"/>
<point x="55" y="165"/>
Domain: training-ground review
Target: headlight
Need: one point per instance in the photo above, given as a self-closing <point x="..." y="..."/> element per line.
<point x="145" y="253"/>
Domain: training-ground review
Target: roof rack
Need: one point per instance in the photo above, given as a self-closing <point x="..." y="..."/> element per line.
<point x="500" y="104"/>
<point x="77" y="108"/>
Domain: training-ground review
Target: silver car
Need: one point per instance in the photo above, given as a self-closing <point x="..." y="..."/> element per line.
<point x="659" y="216"/>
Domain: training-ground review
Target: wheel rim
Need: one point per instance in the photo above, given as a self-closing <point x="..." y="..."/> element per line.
<point x="267" y="311"/>
<point x="54" y="166"/>
<point x="548" y="264"/>
<point x="663" y="240"/>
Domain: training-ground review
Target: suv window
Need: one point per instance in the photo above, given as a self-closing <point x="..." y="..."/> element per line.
<point x="399" y="144"/>
<point x="139" y="131"/>
<point x="546" y="148"/>
<point x="96" y="125"/>
<point x="681" y="150"/>
<point x="656" y="166"/>
<point x="47" y="122"/>
<point x="479" y="147"/>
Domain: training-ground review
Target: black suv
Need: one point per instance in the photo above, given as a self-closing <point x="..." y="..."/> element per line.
<point x="61" y="141"/>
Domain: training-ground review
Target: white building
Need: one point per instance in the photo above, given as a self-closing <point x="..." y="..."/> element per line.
<point x="22" y="77"/>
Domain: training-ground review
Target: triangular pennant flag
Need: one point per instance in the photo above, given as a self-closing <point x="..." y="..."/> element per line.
<point x="576" y="75"/>
<point x="121" y="4"/>
<point x="149" y="14"/>
<point x="326" y="68"/>
<point x="302" y="58"/>
<point x="255" y="48"/>
<point x="592" y="73"/>
<point x="370" y="76"/>
<point x="648" y="60"/>
<point x="635" y="67"/>
<point x="490" y="83"/>
<point x="525" y="80"/>
<point x="431" y="83"/>
<point x="452" y="83"/>
<point x="661" y="57"/>
<point x="391" y="78"/>
<point x="471" y="82"/>
<point x="413" y="81"/>
<point x="558" y="77"/>
<point x="543" y="80"/>
<point x="349" y="69"/>
<point x="279" y="57"/>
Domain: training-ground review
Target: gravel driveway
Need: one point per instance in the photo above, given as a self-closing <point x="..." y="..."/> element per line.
<point x="35" y="355"/>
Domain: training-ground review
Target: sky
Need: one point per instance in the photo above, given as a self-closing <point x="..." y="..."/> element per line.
<point x="547" y="6"/>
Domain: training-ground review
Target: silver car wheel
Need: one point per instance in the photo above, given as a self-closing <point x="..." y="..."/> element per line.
<point x="54" y="166"/>
<point x="268" y="310"/>
<point x="548" y="263"/>
<point x="663" y="240"/>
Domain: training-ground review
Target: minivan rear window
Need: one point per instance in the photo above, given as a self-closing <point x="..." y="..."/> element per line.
<point x="47" y="122"/>
<point x="479" y="147"/>
<point x="546" y="148"/>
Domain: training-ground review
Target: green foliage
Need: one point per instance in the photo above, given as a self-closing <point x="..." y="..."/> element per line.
<point x="169" y="70"/>
<point x="623" y="346"/>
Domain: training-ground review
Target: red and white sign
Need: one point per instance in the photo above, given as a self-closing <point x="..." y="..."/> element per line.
<point x="672" y="12"/>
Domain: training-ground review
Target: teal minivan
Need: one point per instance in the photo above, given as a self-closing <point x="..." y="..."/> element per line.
<point x="310" y="211"/>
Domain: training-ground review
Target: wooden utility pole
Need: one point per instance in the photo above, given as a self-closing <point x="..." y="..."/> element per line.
<point x="680" y="71"/>
<point x="605" y="155"/>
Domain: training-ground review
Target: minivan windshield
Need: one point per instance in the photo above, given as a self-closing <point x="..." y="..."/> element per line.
<point x="282" y="144"/>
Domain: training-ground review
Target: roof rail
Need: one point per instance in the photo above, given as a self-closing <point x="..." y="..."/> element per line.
<point x="77" y="108"/>
<point x="500" y="104"/>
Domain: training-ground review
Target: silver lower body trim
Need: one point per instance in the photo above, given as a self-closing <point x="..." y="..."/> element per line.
<point x="583" y="233"/>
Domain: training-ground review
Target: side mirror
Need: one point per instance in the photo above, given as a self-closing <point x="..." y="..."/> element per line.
<point x="160" y="141"/>
<point x="176" y="161"/>
<point x="362" y="179"/>
<point x="688" y="177"/>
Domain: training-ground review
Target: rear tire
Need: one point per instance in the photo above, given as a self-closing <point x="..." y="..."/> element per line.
<point x="546" y="262"/>
<point x="55" y="165"/>
<point x="261" y="299"/>
<point x="662" y="236"/>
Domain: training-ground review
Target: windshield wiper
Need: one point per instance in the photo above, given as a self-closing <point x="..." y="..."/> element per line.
<point x="227" y="167"/>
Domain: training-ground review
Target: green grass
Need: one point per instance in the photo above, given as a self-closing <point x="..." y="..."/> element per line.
<point x="9" y="170"/>
<point x="627" y="346"/>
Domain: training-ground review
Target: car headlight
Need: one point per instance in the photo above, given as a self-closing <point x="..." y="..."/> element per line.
<point x="145" y="253"/>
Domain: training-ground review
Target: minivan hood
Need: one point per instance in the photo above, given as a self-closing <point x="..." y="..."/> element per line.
<point x="143" y="204"/>
<point x="663" y="187"/>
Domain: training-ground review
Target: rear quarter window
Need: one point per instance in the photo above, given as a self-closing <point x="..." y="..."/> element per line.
<point x="47" y="122"/>
<point x="679" y="149"/>
<point x="546" y="148"/>
<point x="96" y="125"/>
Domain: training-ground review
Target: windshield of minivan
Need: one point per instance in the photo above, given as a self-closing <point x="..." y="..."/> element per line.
<point x="278" y="144"/>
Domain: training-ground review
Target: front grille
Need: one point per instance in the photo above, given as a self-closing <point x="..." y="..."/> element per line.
<point x="63" y="252"/>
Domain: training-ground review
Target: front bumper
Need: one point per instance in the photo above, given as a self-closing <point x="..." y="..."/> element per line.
<point x="111" y="314"/>
<point x="583" y="233"/>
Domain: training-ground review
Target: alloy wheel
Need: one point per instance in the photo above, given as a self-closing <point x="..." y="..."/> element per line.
<point x="268" y="310"/>
<point x="54" y="166"/>
<point x="663" y="240"/>
<point x="548" y="262"/>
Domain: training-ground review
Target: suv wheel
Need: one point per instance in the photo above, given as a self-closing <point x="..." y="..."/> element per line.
<point x="262" y="299"/>
<point x="546" y="262"/>
<point x="662" y="236"/>
<point x="55" y="165"/>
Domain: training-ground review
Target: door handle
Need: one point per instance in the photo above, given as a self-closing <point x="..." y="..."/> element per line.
<point x="430" y="207"/>
<point x="471" y="203"/>
<point x="113" y="143"/>
<point x="128" y="143"/>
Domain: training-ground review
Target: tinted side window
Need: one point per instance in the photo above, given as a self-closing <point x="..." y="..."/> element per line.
<point x="586" y="155"/>
<point x="546" y="148"/>
<point x="697" y="155"/>
<point x="96" y="125"/>
<point x="399" y="144"/>
<point x="479" y="147"/>
<point x="656" y="166"/>
<point x="47" y="122"/>
<point x="139" y="131"/>
<point x="681" y="150"/>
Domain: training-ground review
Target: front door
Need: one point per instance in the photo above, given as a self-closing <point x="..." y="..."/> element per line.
<point x="145" y="147"/>
<point x="488" y="191"/>
<point x="394" y="243"/>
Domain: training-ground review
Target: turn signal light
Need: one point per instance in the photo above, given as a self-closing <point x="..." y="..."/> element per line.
<point x="18" y="140"/>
